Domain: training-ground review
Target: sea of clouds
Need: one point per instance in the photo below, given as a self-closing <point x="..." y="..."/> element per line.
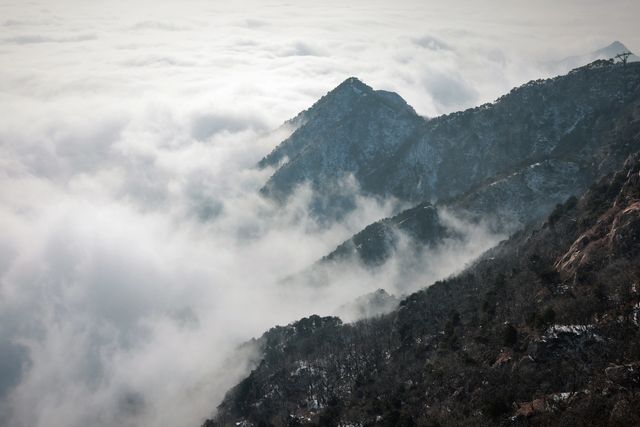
<point x="136" y="253"/>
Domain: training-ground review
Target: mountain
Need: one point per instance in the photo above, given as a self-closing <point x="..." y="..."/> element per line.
<point x="567" y="140"/>
<point x="351" y="126"/>
<point x="611" y="51"/>
<point x="375" y="243"/>
<point x="543" y="329"/>
<point x="412" y="232"/>
<point x="541" y="142"/>
<point x="349" y="102"/>
<point x="608" y="52"/>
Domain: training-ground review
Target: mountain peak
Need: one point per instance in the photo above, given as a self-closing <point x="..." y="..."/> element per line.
<point x="341" y="98"/>
<point x="354" y="88"/>
<point x="608" y="52"/>
<point x="354" y="85"/>
<point x="353" y="81"/>
<point x="617" y="45"/>
<point x="347" y="128"/>
<point x="612" y="50"/>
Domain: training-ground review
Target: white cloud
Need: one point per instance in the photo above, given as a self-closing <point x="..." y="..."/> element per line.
<point x="135" y="252"/>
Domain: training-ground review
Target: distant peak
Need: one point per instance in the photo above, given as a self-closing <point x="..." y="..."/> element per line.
<point x="613" y="49"/>
<point x="617" y="45"/>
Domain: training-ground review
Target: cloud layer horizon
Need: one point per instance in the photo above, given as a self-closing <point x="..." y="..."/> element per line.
<point x="135" y="252"/>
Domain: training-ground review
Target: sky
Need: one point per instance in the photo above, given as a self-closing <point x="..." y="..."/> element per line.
<point x="135" y="251"/>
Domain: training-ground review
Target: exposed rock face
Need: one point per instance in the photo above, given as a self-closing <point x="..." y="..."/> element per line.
<point x="521" y="335"/>
<point x="616" y="233"/>
<point x="529" y="409"/>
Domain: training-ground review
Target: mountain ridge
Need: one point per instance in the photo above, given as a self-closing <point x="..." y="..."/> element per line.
<point x="491" y="346"/>
<point x="533" y="187"/>
<point x="417" y="160"/>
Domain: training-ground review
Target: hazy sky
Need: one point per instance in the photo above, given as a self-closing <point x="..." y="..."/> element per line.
<point x="272" y="59"/>
<point x="135" y="253"/>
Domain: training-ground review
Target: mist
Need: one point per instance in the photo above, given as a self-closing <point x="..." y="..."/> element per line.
<point x="136" y="253"/>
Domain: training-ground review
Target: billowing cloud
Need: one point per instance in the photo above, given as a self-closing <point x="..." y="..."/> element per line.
<point x="30" y="39"/>
<point x="135" y="251"/>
